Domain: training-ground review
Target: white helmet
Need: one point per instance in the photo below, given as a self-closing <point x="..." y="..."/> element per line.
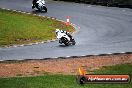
<point x="57" y="30"/>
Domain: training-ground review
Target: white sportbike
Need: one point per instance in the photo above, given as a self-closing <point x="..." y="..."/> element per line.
<point x="40" y="5"/>
<point x="64" y="38"/>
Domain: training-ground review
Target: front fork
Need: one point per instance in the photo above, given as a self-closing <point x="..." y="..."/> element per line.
<point x="60" y="41"/>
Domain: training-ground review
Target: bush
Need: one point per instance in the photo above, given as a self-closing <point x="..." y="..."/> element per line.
<point x="119" y="3"/>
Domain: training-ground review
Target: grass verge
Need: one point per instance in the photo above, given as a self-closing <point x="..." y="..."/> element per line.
<point x="66" y="81"/>
<point x="19" y="28"/>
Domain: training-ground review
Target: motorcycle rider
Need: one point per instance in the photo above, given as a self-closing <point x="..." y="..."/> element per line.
<point x="62" y="31"/>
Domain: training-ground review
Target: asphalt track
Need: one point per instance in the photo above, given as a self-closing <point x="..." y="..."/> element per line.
<point x="102" y="30"/>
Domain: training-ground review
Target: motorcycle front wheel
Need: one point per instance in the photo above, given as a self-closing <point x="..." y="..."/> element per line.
<point x="65" y="41"/>
<point x="73" y="42"/>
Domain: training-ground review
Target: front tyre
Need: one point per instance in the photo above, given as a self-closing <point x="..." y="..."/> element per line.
<point x="37" y="6"/>
<point x="73" y="42"/>
<point x="65" y="41"/>
<point x="67" y="44"/>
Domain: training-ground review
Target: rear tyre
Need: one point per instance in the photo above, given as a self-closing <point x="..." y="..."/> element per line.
<point x="45" y="9"/>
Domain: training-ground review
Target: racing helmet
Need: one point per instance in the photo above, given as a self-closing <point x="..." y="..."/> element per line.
<point x="57" y="30"/>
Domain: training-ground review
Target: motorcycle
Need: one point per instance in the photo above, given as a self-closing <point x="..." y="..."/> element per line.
<point x="40" y="5"/>
<point x="64" y="38"/>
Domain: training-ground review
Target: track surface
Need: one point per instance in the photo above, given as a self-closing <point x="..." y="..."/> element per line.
<point x="102" y="30"/>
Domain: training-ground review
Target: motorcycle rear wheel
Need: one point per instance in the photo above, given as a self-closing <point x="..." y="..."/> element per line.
<point x="45" y="9"/>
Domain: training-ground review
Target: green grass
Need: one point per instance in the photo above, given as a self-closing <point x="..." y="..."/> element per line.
<point x="65" y="81"/>
<point x="18" y="28"/>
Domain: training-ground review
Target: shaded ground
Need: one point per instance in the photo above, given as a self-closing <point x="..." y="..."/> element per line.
<point x="60" y="66"/>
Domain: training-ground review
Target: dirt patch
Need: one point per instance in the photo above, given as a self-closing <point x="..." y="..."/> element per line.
<point x="60" y="66"/>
